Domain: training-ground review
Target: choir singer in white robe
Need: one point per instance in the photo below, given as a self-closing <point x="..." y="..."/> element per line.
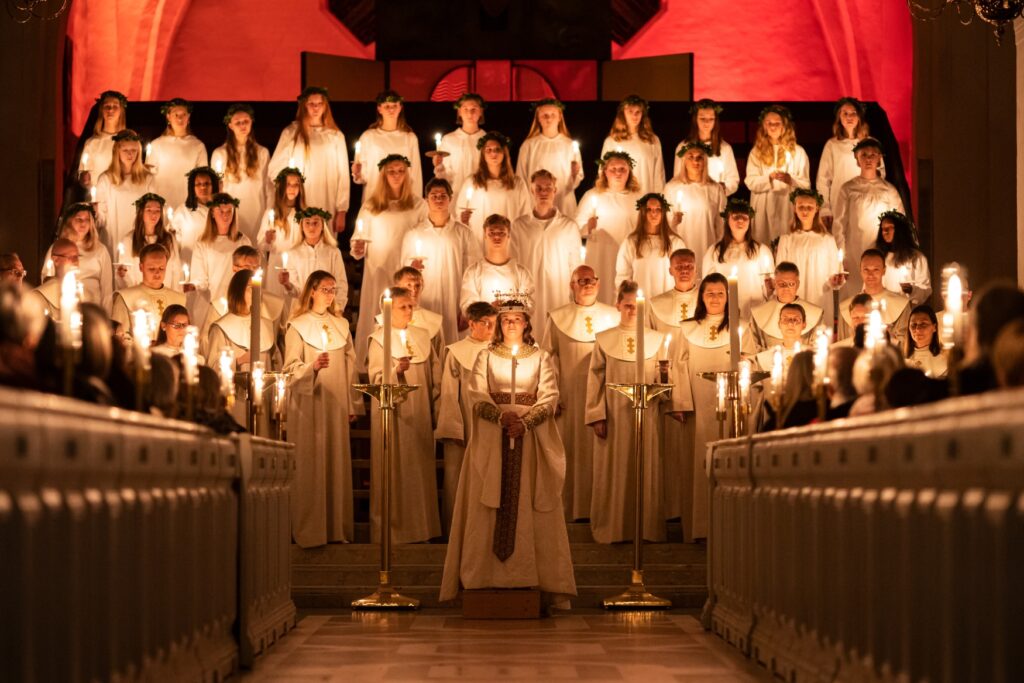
<point x="809" y="246"/>
<point x="633" y="133"/>
<point x="497" y="273"/>
<point x="461" y="146"/>
<point x="696" y="200"/>
<point x="492" y="188"/>
<point x="776" y="165"/>
<point x="643" y="255"/>
<point x="549" y="146"/>
<point x="172" y="155"/>
<point x="706" y="127"/>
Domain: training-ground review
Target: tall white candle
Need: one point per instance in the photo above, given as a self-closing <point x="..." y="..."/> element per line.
<point x="583" y="255"/>
<point x="955" y="305"/>
<point x="282" y="385"/>
<point x="777" y="371"/>
<point x="255" y="308"/>
<point x="92" y="194"/>
<point x="386" y="310"/>
<point x="641" y="306"/>
<point x="257" y="383"/>
<point x="437" y="141"/>
<point x="839" y="265"/>
<point x="515" y="362"/>
<point x="189" y="350"/>
<point x="734" y="320"/>
<point x="227" y="372"/>
<point x="186" y="273"/>
<point x="744" y="382"/>
<point x="722" y="383"/>
<point x="359" y="146"/>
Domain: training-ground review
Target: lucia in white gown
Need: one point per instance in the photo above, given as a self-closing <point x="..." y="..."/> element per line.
<point x="243" y="163"/>
<point x="632" y="133"/>
<point x="738" y="252"/>
<point x="548" y="146"/>
<point x="314" y="145"/>
<point x="172" y="155"/>
<point x="389" y="134"/>
<point x="98" y="150"/>
<point x="775" y="167"/>
<point x="461" y="146"/>
<point x="492" y="188"/>
<point x="119" y="186"/>
<point x="705" y="127"/>
<point x="696" y="200"/>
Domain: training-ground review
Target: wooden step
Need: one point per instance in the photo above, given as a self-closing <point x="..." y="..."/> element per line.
<point x="579" y="532"/>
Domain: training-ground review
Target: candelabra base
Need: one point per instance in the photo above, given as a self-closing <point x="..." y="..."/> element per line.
<point x="636" y="597"/>
<point x="386" y="598"/>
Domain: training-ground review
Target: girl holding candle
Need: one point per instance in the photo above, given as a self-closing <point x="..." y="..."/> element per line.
<point x="387" y="214"/>
<point x="508" y="529"/>
<point x="175" y="153"/>
<point x="906" y="267"/>
<point x="211" y="258"/>
<point x="705" y="127"/>
<point x="462" y="144"/>
<point x="120" y="185"/>
<point x="548" y="146"/>
<point x="320" y="356"/>
<point x="632" y="133"/>
<point x="244" y="162"/>
<point x="739" y="251"/>
<point x="838" y="163"/>
<point x="697" y="201"/>
<point x="702" y="345"/>
<point x="610" y="415"/>
<point x="189" y="220"/>
<point x="492" y="188"/>
<point x="150" y="228"/>
<point x="643" y="257"/>
<point x="388" y="136"/>
<point x="776" y="165"/>
<point x="95" y="271"/>
<point x="607" y="214"/>
<point x="314" y="144"/>
<point x="278" y="229"/>
<point x="414" y="511"/>
<point x="98" y="151"/>
<point x="315" y="250"/>
<point x="922" y="349"/>
<point x="812" y="249"/>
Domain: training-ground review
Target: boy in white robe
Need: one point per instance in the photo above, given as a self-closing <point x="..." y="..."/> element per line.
<point x="895" y="308"/>
<point x="152" y="294"/>
<point x="670" y="308"/>
<point x="410" y="279"/>
<point x="764" y="317"/>
<point x="46" y="297"/>
<point x="498" y="272"/>
<point x="455" y="414"/>
<point x="462" y="158"/>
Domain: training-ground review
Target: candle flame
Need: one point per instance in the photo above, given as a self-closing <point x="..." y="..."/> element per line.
<point x="576" y="146"/>
<point x="954" y="294"/>
<point x="140" y="328"/>
<point x="257" y="277"/>
<point x="270" y="216"/>
<point x="639" y="295"/>
<point x="515" y="350"/>
<point x="284" y="259"/>
<point x="359" y="226"/>
<point x="437" y="139"/>
<point x="92" y="194"/>
<point x="387" y="295"/>
<point x="469" y="193"/>
<point x="185" y="271"/>
<point x="583" y="255"/>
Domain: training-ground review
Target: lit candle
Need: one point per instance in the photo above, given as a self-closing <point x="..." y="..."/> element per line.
<point x="716" y="167"/>
<point x="323" y="340"/>
<point x="227" y="372"/>
<point x="641" y="305"/>
<point x="120" y="255"/>
<point x="797" y="347"/>
<point x="437" y="141"/>
<point x="254" y="315"/>
<point x="257" y="383"/>
<point x="515" y="362"/>
<point x="284" y="260"/>
<point x="141" y="337"/>
<point x="270" y="218"/>
<point x="282" y="384"/>
<point x="734" y="320"/>
<point x="223" y="301"/>
<point x="575" y="151"/>
<point x="68" y="306"/>
<point x="190" y="348"/>
<point x="955" y="306"/>
<point x="185" y="272"/>
<point x="679" y="201"/>
<point x="593" y="205"/>
<point x="360" y="232"/>
<point x="722" y="381"/>
<point x="469" y="193"/>
<point x="218" y="166"/>
<point x="386" y="310"/>
<point x="292" y="163"/>
<point x="840" y="270"/>
<point x="149" y="150"/>
<point x="92" y="194"/>
<point x="359" y="146"/>
<point x="876" y="330"/>
<point x="820" y="355"/>
<point x="583" y="255"/>
<point x="404" y="341"/>
<point x="419" y="249"/>
<point x="170" y="215"/>
<point x="618" y="148"/>
<point x="744" y="382"/>
<point x="85" y="159"/>
<point x="49" y="270"/>
<point x="777" y="372"/>
<point x="903" y="274"/>
<point x="766" y="266"/>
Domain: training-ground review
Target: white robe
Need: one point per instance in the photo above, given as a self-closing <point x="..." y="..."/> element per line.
<point x="916" y="274"/>
<point x="669" y="309"/>
<point x="384" y="232"/>
<point x="649" y="170"/>
<point x="115" y="206"/>
<point x="319" y="404"/>
<point x="188" y="226"/>
<point x="836" y="167"/>
<point x="252" y="193"/>
<point x="935" y="367"/>
<point x="303" y="261"/>
<point x="414" y="511"/>
<point x="155" y="301"/>
<point x="855" y="225"/>
<point x="495" y="198"/>
<point x="232" y="332"/>
<point x="287" y="232"/>
<point x="95" y="272"/>
<point x="100" y="150"/>
<point x="463" y="157"/>
<point x="212" y="264"/>
<point x="701" y="225"/>
<point x="484" y="281"/>
<point x="324" y="165"/>
<point x="770" y="198"/>
<point x="817" y="257"/>
<point x="721" y="168"/>
<point x="616" y="218"/>
<point x="649" y="269"/>
<point x="764" y="322"/>
<point x="173" y="276"/>
<point x="455" y="415"/>
<point x="170" y="160"/>
<point x="569" y="338"/>
<point x="541" y="557"/>
<point x="447" y="251"/>
<point x="555" y="155"/>
<point x="749" y="270"/>
<point x="612" y="505"/>
<point x="375" y="144"/>
<point x="895" y="309"/>
<point x="550" y="249"/>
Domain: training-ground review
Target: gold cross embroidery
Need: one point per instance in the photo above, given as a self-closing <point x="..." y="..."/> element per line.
<point x="327" y="331"/>
<point x="160" y="307"/>
<point x="683" y="308"/>
<point x="712" y="332"/>
<point x="590" y="324"/>
<point x="630" y="345"/>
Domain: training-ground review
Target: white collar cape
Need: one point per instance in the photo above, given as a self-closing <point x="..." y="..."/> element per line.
<point x="620" y="344"/>
<point x="466" y="350"/>
<point x="673" y="307"/>
<point x="894" y="305"/>
<point x="311" y="328"/>
<point x="694" y="333"/>
<point x="422" y="318"/>
<point x="236" y="328"/>
<point x="766" y="315"/>
<point x="417" y="342"/>
<point x="583" y="323"/>
<point x="161" y="298"/>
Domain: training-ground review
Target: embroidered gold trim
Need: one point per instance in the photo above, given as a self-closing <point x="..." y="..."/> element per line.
<point x="505" y="398"/>
<point x="536" y="416"/>
<point x="502" y="351"/>
<point x="488" y="412"/>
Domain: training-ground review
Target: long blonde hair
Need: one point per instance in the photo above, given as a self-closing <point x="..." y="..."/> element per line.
<point x="620" y="129"/>
<point x="632" y="184"/>
<point x="252" y="148"/>
<point x="535" y="127"/>
<point x="138" y="171"/>
<point x="326" y="234"/>
<point x="763" y="148"/>
<point x="705" y="178"/>
<point x="68" y="232"/>
<point x="302" y="116"/>
<point x="639" y="235"/>
<point x="210" y="231"/>
<point x="305" y="303"/>
<point x="379" y="200"/>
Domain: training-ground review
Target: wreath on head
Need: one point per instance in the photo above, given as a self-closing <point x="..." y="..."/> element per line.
<point x="389" y="96"/>
<point x="705" y="103"/>
<point x="239" y="108"/>
<point x="167" y="106"/>
<point x="287" y="171"/>
<point x="312" y="90"/>
<point x="868" y="143"/>
<point x="497" y="137"/>
<point x="738" y="206"/>
<point x="77" y="207"/>
<point x="775" y="109"/>
<point x="311" y="212"/>
<point x="149" y="197"/>
<point x="635" y="101"/>
<point x="470" y="96"/>
<point x="393" y="157"/>
<point x="616" y="154"/>
<point x="221" y="199"/>
<point x="127" y="135"/>
<point x="106" y="94"/>
<point x="895" y="216"/>
<point x="853" y="102"/>
<point x="547" y="102"/>
<point x="807" y="192"/>
<point x="198" y="170"/>
<point x="641" y="203"/>
<point x="688" y="145"/>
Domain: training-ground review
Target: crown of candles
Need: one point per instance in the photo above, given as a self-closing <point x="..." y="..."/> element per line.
<point x="513" y="302"/>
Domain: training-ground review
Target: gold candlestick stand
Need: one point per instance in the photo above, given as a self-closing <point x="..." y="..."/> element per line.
<point x="740" y="410"/>
<point x="636" y="596"/>
<point x="386" y="597"/>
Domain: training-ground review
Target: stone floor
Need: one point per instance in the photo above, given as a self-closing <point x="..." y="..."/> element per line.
<point x="442" y="646"/>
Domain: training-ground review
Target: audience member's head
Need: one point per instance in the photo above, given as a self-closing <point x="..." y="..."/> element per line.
<point x="840" y="373"/>
<point x="997" y="305"/>
<point x="911" y="387"/>
<point x="1008" y="354"/>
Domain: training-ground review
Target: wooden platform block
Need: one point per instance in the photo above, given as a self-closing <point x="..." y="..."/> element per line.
<point x="501" y="603"/>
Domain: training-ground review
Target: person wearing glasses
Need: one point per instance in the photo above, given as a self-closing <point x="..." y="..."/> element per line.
<point x="569" y="335"/>
<point x="152" y="293"/>
<point x="173" y="328"/>
<point x="12" y="271"/>
<point x="95" y="271"/>
<point x="764" y="317"/>
<point x="64" y="255"/>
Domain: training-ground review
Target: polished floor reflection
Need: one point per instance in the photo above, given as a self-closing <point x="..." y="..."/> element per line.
<point x="649" y="647"/>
